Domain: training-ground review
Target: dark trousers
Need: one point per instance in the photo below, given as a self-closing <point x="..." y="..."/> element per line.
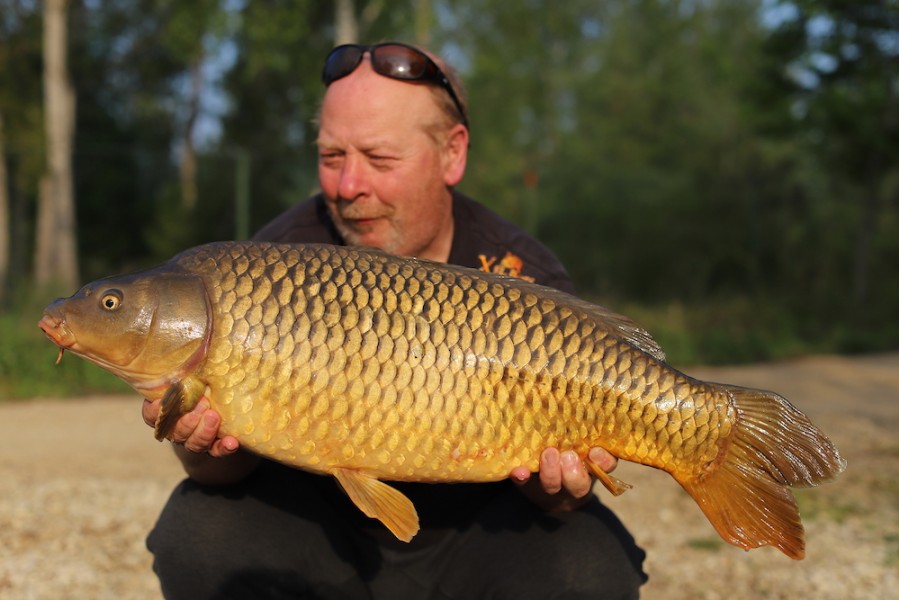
<point x="288" y="534"/>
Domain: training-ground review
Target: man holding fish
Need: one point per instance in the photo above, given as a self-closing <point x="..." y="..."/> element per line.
<point x="393" y="141"/>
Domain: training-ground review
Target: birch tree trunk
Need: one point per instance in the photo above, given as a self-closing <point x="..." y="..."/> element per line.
<point x="346" y="28"/>
<point x="56" y="257"/>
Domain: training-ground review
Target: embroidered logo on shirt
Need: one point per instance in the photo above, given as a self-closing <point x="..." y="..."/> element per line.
<point x="509" y="265"/>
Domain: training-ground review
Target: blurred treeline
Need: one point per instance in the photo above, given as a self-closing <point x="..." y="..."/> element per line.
<point x="729" y="167"/>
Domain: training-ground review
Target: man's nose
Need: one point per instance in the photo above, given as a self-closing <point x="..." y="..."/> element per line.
<point x="352" y="179"/>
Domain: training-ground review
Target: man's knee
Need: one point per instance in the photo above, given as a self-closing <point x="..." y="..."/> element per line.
<point x="600" y="555"/>
<point x="582" y="554"/>
<point x="273" y="536"/>
<point x="190" y="546"/>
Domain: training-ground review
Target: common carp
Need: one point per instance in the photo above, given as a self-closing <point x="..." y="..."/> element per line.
<point x="371" y="367"/>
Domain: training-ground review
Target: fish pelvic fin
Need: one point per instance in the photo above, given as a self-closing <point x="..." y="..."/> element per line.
<point x="181" y="397"/>
<point x="746" y="495"/>
<point x="380" y="501"/>
<point x="615" y="486"/>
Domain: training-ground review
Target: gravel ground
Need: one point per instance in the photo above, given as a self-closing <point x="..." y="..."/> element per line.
<point x="82" y="481"/>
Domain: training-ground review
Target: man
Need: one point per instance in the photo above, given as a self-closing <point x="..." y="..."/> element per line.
<point x="393" y="142"/>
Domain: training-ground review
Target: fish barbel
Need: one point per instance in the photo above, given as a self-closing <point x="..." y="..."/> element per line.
<point x="369" y="367"/>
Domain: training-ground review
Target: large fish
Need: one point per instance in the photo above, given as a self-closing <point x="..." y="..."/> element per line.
<point x="370" y="367"/>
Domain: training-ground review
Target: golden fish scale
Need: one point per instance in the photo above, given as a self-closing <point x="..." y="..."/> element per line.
<point x="324" y="358"/>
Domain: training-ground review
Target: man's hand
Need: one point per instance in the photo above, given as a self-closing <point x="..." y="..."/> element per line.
<point x="563" y="483"/>
<point x="206" y="458"/>
<point x="197" y="430"/>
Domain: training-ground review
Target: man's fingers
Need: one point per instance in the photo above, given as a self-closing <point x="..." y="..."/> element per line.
<point x="603" y="459"/>
<point x="188" y="422"/>
<point x="575" y="478"/>
<point x="150" y="411"/>
<point x="205" y="428"/>
<point x="520" y="475"/>
<point x="224" y="446"/>
<point x="197" y="430"/>
<point x="550" y="471"/>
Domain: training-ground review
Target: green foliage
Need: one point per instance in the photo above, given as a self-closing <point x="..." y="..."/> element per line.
<point x="171" y="229"/>
<point x="22" y="114"/>
<point x="722" y="331"/>
<point x="740" y="329"/>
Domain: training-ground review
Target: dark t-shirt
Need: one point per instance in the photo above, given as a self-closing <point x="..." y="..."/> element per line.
<point x="481" y="240"/>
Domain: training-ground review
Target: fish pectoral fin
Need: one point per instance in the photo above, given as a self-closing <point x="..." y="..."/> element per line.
<point x="181" y="397"/>
<point x="380" y="501"/>
<point x="615" y="486"/>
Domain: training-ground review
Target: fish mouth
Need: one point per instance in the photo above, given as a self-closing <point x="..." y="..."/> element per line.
<point x="57" y="330"/>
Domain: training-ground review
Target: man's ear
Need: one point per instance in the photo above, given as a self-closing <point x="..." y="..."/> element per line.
<point x="455" y="154"/>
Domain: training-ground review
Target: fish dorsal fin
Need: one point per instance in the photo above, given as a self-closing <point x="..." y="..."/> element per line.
<point x="181" y="397"/>
<point x="619" y="325"/>
<point x="380" y="501"/>
<point x="624" y="327"/>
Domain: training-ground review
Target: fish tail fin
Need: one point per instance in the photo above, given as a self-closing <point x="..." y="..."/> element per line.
<point x="773" y="447"/>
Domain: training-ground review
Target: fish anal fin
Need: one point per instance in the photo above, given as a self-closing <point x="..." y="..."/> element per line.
<point x="615" y="486"/>
<point x="746" y="495"/>
<point x="181" y="397"/>
<point x="380" y="501"/>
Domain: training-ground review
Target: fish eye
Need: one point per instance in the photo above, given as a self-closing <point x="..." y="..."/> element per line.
<point x="111" y="300"/>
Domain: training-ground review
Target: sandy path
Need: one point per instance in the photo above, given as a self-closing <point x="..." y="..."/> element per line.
<point x="81" y="482"/>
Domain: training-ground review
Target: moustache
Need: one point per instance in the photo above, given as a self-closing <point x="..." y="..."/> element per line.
<point x="354" y="212"/>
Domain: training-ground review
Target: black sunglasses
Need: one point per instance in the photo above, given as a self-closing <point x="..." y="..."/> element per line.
<point x="394" y="60"/>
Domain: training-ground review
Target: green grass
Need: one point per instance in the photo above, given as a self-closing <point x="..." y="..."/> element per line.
<point x="708" y="544"/>
<point x="816" y="505"/>
<point x="892" y="557"/>
<point x="27" y="363"/>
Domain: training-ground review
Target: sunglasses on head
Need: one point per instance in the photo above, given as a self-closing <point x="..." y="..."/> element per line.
<point x="394" y="60"/>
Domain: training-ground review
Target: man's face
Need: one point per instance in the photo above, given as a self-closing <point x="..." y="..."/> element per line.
<point x="384" y="178"/>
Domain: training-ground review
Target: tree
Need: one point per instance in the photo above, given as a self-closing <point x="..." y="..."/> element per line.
<point x="840" y="66"/>
<point x="190" y="31"/>
<point x="23" y="132"/>
<point x="622" y="126"/>
<point x="346" y="27"/>
<point x="4" y="218"/>
<point x="142" y="69"/>
<point x="56" y="257"/>
<point x="274" y="91"/>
